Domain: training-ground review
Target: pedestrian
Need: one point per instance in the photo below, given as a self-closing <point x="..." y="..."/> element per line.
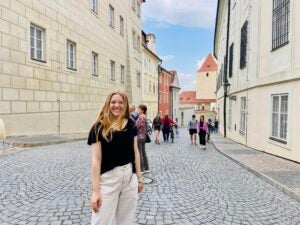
<point x="192" y="128"/>
<point x="166" y="123"/>
<point x="216" y="126"/>
<point x="202" y="128"/>
<point x="116" y="172"/>
<point x="156" y="126"/>
<point x="176" y="126"/>
<point x="133" y="114"/>
<point x="141" y="124"/>
<point x="209" y="124"/>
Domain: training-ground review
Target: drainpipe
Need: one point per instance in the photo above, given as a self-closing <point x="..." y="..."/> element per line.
<point x="226" y="84"/>
<point x="158" y="93"/>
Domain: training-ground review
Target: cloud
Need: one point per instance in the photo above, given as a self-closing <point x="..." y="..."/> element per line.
<point x="188" y="13"/>
<point x="167" y="58"/>
<point x="187" y="81"/>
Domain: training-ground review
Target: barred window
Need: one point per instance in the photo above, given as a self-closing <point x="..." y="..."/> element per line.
<point x="111" y="16"/>
<point x="122" y="74"/>
<point x="71" y="55"/>
<point x="37" y="42"/>
<point x="244" y="42"/>
<point x="279" y="117"/>
<point x="112" y="70"/>
<point x="230" y="60"/>
<point x="121" y="25"/>
<point x="280" y="28"/>
<point x="243" y="112"/>
<point x="94" y="64"/>
<point x="94" y="4"/>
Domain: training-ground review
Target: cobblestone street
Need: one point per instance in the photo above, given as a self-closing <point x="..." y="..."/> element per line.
<point x="51" y="185"/>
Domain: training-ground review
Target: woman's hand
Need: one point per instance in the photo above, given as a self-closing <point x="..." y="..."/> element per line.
<point x="96" y="201"/>
<point x="140" y="186"/>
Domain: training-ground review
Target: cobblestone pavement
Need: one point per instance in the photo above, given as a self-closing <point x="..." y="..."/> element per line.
<point x="51" y="185"/>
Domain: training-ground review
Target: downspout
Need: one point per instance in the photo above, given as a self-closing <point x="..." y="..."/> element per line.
<point x="226" y="84"/>
<point x="158" y="84"/>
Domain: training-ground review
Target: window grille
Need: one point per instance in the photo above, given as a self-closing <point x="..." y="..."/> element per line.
<point x="244" y="42"/>
<point x="230" y="60"/>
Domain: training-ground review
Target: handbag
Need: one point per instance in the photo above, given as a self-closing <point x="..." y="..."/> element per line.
<point x="148" y="139"/>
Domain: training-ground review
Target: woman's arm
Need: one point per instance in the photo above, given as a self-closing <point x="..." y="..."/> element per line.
<point x="96" y="165"/>
<point x="138" y="165"/>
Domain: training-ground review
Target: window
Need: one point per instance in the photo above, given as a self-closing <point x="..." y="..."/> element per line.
<point x="121" y="26"/>
<point x="138" y="44"/>
<point x="133" y="39"/>
<point x="243" y="52"/>
<point x="279" y="117"/>
<point x="94" y="64"/>
<point x="202" y="107"/>
<point x="112" y="70"/>
<point x="149" y="87"/>
<point x="122" y="74"/>
<point x="207" y="74"/>
<point x="36" y="43"/>
<point x="133" y="4"/>
<point x="243" y="115"/>
<point x="280" y="23"/>
<point x="138" y="79"/>
<point x="230" y="60"/>
<point x="229" y="113"/>
<point x="94" y="5"/>
<point x="71" y="55"/>
<point x="111" y="16"/>
<point x="138" y="8"/>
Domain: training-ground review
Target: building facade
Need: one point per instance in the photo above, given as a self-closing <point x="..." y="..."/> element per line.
<point x="174" y="95"/>
<point x="150" y="74"/>
<point x="60" y="59"/>
<point x="164" y="91"/>
<point x="257" y="44"/>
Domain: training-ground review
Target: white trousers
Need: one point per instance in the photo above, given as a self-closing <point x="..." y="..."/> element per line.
<point x="119" y="192"/>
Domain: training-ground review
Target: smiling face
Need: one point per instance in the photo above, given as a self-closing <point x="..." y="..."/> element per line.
<point x="116" y="105"/>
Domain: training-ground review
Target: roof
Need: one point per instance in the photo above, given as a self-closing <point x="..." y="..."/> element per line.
<point x="173" y="74"/>
<point x="210" y="64"/>
<point x="190" y="97"/>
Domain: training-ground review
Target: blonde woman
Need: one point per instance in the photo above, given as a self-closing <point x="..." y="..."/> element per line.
<point x="116" y="172"/>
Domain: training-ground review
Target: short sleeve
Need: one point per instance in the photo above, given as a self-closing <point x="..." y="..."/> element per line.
<point x="92" y="135"/>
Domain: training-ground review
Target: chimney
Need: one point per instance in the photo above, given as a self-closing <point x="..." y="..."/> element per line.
<point x="150" y="39"/>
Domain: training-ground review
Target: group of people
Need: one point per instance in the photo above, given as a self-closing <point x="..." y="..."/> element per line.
<point x="203" y="128"/>
<point x="166" y="125"/>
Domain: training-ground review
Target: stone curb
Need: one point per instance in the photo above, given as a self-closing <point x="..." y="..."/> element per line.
<point x="43" y="143"/>
<point x="267" y="179"/>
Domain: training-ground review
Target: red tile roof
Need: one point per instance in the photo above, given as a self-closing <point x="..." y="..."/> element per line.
<point x="173" y="73"/>
<point x="210" y="64"/>
<point x="190" y="97"/>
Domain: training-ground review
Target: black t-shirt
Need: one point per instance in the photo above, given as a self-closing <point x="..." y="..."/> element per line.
<point x="119" y="150"/>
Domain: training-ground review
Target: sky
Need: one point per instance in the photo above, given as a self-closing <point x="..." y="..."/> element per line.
<point x="184" y="31"/>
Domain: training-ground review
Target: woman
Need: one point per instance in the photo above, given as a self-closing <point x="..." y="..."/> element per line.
<point x="156" y="125"/>
<point x="116" y="172"/>
<point x="166" y="123"/>
<point x="202" y="129"/>
<point x="141" y="124"/>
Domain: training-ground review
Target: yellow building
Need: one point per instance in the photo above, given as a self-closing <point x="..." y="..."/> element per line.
<point x="258" y="52"/>
<point x="151" y="63"/>
<point x="59" y="60"/>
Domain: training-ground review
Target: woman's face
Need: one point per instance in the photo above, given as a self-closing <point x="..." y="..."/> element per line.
<point x="140" y="111"/>
<point x="116" y="105"/>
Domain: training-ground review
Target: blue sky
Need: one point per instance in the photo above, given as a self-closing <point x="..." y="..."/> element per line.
<point x="184" y="31"/>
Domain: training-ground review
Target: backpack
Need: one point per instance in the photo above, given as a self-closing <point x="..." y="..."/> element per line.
<point x="141" y="125"/>
<point x="166" y="124"/>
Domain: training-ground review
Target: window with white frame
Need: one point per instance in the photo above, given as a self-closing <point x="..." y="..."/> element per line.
<point x="138" y="79"/>
<point x="71" y="55"/>
<point x="121" y="25"/>
<point x="94" y="5"/>
<point x="138" y="8"/>
<point x="112" y="70"/>
<point x="133" y="39"/>
<point x="230" y="113"/>
<point x="122" y="74"/>
<point x="111" y="16"/>
<point x="37" y="42"/>
<point x="138" y="43"/>
<point x="94" y="64"/>
<point x="279" y="117"/>
<point x="243" y="112"/>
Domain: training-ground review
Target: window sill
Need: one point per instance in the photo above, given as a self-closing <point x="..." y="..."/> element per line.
<point x="73" y="69"/>
<point x="278" y="140"/>
<point x="94" y="13"/>
<point x="38" y="60"/>
<point x="95" y="75"/>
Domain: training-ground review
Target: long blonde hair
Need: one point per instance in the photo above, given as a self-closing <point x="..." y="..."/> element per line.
<point x="107" y="125"/>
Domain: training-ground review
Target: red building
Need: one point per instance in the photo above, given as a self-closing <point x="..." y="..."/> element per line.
<point x="165" y="78"/>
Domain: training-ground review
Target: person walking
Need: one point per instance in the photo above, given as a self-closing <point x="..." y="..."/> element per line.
<point x="133" y="114"/>
<point x="116" y="172"/>
<point x="192" y="128"/>
<point x="176" y="126"/>
<point x="166" y="123"/>
<point x="216" y="126"/>
<point x="202" y="128"/>
<point x="156" y="126"/>
<point x="141" y="124"/>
